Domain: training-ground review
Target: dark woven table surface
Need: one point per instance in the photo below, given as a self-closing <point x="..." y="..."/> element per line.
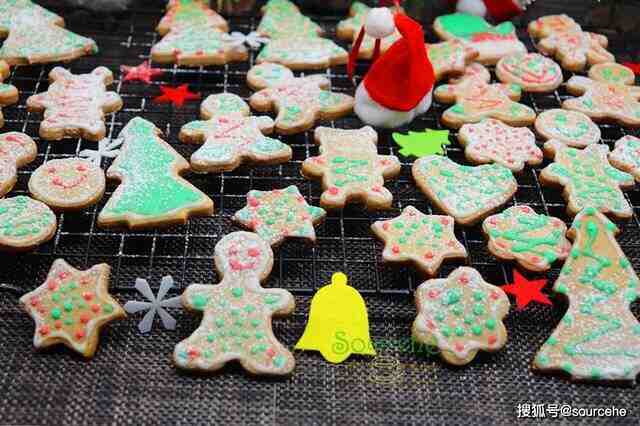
<point x="131" y="380"/>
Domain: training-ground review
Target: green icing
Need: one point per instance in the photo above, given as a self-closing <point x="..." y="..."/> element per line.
<point x="466" y="26"/>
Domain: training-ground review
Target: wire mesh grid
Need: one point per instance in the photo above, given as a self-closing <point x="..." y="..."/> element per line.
<point x="389" y="385"/>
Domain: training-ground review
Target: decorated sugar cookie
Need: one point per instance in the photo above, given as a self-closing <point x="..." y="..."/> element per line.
<point x="571" y="128"/>
<point x="16" y="150"/>
<point x="420" y="239"/>
<point x="552" y="24"/>
<point x="283" y="19"/>
<point x="598" y="339"/>
<point x="8" y="92"/>
<point x="531" y="71"/>
<point x="461" y="315"/>
<point x="10" y="9"/>
<point x="303" y="53"/>
<point x="190" y="13"/>
<point x="588" y="179"/>
<point x="68" y="184"/>
<point x="298" y="101"/>
<point x="231" y="136"/>
<point x="351" y="169"/>
<point x="75" y="105"/>
<point x="492" y="141"/>
<point x="279" y="214"/>
<point x="236" y="323"/>
<point x="626" y="155"/>
<point x="467" y="193"/>
<point x="450" y="58"/>
<point x="71" y="307"/>
<point x="25" y="223"/>
<point x="533" y="240"/>
<point x="607" y="94"/>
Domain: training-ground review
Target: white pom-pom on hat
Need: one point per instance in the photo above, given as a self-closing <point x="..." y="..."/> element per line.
<point x="473" y="7"/>
<point x="380" y="23"/>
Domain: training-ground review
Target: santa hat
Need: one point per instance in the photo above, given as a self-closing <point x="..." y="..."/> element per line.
<point x="403" y="76"/>
<point x="498" y="10"/>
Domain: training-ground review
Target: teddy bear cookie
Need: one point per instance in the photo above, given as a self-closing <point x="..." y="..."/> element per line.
<point x="533" y="240"/>
<point x="25" y="223"/>
<point x="571" y="128"/>
<point x="351" y="168"/>
<point x="531" y="71"/>
<point x="461" y="315"/>
<point x="75" y="105"/>
<point x="16" y="150"/>
<point x="71" y="307"/>
<point x="8" y="92"/>
<point x="492" y="141"/>
<point x="236" y="323"/>
<point x="298" y="101"/>
<point x="68" y="184"/>
<point x="608" y="94"/>
<point x="626" y="155"/>
<point x="465" y="192"/>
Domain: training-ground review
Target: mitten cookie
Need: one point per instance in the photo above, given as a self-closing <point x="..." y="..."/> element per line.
<point x="25" y="223"/>
<point x="75" y="105"/>
<point x="8" y="92"/>
<point x="351" y="169"/>
<point x="16" y="150"/>
<point x="236" y="323"/>
<point x="531" y="71"/>
<point x="571" y="128"/>
<point x="626" y="155"/>
<point x="298" y="101"/>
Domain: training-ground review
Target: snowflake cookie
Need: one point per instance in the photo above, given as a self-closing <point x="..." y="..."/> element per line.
<point x="8" y="92"/>
<point x="25" y="223"/>
<point x="571" y="128"/>
<point x="626" y="155"/>
<point x="16" y="150"/>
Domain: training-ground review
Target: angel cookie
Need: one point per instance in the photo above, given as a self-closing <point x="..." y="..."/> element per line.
<point x="466" y="193"/>
<point x="236" y="322"/>
<point x="531" y="71"/>
<point x="16" y="150"/>
<point x="298" y="101"/>
<point x="8" y="92"/>
<point x="608" y="94"/>
<point x="572" y="128"/>
<point x="75" y="105"/>
<point x="231" y="136"/>
<point x="351" y="169"/>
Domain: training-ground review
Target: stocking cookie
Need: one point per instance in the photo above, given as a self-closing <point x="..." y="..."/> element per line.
<point x="8" y="92"/>
<point x="75" y="105"/>
<point x="68" y="184"/>
<point x="71" y="307"/>
<point x="303" y="53"/>
<point x="626" y="155"/>
<point x="467" y="193"/>
<point x="461" y="314"/>
<point x="25" y="223"/>
<point x="236" y="323"/>
<point x="588" y="179"/>
<point x="298" y="101"/>
<point x="231" y="136"/>
<point x="16" y="150"/>
<point x="598" y="339"/>
<point x="279" y="214"/>
<point x="351" y="169"/>
<point x="533" y="240"/>
<point x="493" y="141"/>
<point x="607" y="94"/>
<point x="283" y="19"/>
<point x="420" y="239"/>
<point x="571" y="128"/>
<point x="531" y="71"/>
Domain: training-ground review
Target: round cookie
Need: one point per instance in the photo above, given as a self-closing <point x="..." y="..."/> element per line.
<point x="571" y="128"/>
<point x="68" y="184"/>
<point x="531" y="71"/>
<point x="25" y="223"/>
<point x="16" y="150"/>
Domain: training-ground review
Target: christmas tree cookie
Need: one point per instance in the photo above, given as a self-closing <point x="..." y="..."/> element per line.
<point x="626" y="155"/>
<point x="236" y="323"/>
<point x="25" y="223"/>
<point x="71" y="307"/>
<point x="464" y="192"/>
<point x="152" y="192"/>
<point x="461" y="314"/>
<point x="16" y="150"/>
<point x="588" y="179"/>
<point x="231" y="136"/>
<point x="424" y="240"/>
<point x="9" y="9"/>
<point x="8" y="92"/>
<point x="534" y="240"/>
<point x="598" y="339"/>
<point x="279" y="214"/>
<point x="283" y="19"/>
<point x="190" y="13"/>
<point x="351" y="169"/>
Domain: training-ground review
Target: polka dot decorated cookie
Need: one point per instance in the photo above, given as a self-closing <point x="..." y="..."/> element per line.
<point x="16" y="150"/>
<point x="25" y="223"/>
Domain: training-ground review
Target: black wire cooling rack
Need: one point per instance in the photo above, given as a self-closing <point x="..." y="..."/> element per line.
<point x="131" y="379"/>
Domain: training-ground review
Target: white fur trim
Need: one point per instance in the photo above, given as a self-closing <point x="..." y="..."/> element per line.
<point x="376" y="115"/>
<point x="473" y="7"/>
<point x="380" y="23"/>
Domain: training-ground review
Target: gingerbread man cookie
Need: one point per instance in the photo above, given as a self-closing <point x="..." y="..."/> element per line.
<point x="71" y="307"/>
<point x="16" y="150"/>
<point x="300" y="53"/>
<point x="298" y="101"/>
<point x="533" y="240"/>
<point x="283" y="19"/>
<point x="476" y="99"/>
<point x="424" y="240"/>
<point x="231" y="136"/>
<point x="571" y="128"/>
<point x="8" y="92"/>
<point x="351" y="169"/>
<point x="75" y="105"/>
<point x="493" y="141"/>
<point x="25" y="223"/>
<point x="607" y="94"/>
<point x="531" y="71"/>
<point x="552" y="24"/>
<point x="626" y="155"/>
<point x="461" y="315"/>
<point x="588" y="179"/>
<point x="236" y="323"/>
<point x="466" y="193"/>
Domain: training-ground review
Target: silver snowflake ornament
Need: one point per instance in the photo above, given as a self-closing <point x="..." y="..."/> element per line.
<point x="253" y="39"/>
<point x="107" y="148"/>
<point x="155" y="304"/>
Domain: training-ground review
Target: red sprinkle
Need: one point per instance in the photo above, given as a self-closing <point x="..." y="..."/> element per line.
<point x="44" y="330"/>
<point x="34" y="301"/>
<point x="95" y="308"/>
<point x="87" y="295"/>
<point x="58" y="325"/>
<point x="254" y="252"/>
<point x="395" y="249"/>
<point x="52" y="285"/>
<point x="79" y="334"/>
<point x="385" y="226"/>
<point x="463" y="280"/>
<point x="428" y="255"/>
<point x="444" y="220"/>
<point x="193" y="353"/>
<point x="433" y="294"/>
<point x="333" y="190"/>
<point x="492" y="339"/>
<point x="253" y="202"/>
<point x="459" y="347"/>
<point x="85" y="318"/>
<point x="271" y="353"/>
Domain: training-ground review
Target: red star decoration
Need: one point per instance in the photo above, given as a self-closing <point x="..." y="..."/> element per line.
<point x="526" y="291"/>
<point x="635" y="67"/>
<point x="176" y="95"/>
<point x="142" y="72"/>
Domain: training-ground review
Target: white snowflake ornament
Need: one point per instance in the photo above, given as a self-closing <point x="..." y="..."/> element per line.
<point x="154" y="304"/>
<point x="107" y="148"/>
<point x="253" y="39"/>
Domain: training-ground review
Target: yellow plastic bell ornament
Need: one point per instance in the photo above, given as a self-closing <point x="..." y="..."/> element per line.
<point x="338" y="322"/>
